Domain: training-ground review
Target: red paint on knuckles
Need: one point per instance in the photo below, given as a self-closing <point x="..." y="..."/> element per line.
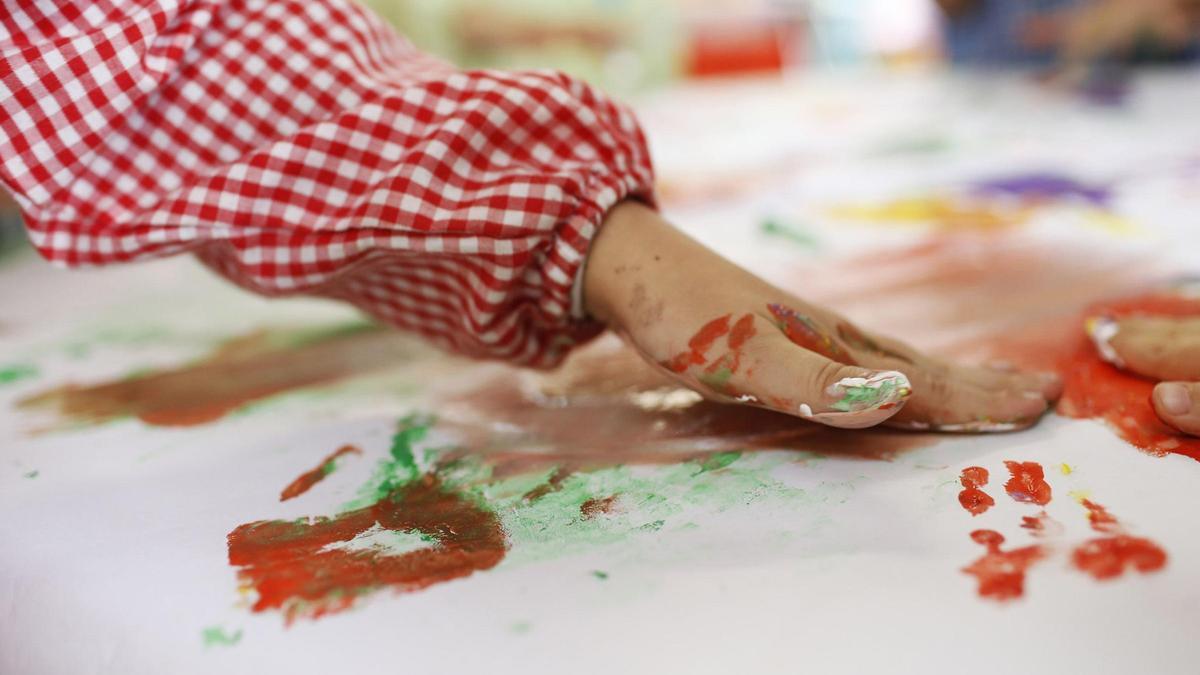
<point x="802" y="331"/>
<point x="699" y="344"/>
<point x="704" y="340"/>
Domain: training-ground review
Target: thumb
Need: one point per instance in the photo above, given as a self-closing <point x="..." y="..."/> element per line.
<point x="1162" y="348"/>
<point x="1178" y="404"/>
<point x="800" y="382"/>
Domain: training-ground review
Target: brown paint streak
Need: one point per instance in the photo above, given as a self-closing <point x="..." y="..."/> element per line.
<point x="597" y="506"/>
<point x="246" y="369"/>
<point x="309" y="478"/>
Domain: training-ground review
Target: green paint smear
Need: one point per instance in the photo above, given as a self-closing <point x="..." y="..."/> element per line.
<point x="17" y="372"/>
<point x="792" y="233"/>
<point x="720" y="460"/>
<point x="655" y="501"/>
<point x="717" y="380"/>
<point x="32" y="474"/>
<point x="858" y="398"/>
<point x="601" y="575"/>
<point x="400" y="468"/>
<point x="216" y="636"/>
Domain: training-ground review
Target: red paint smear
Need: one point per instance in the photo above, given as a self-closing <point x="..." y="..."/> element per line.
<point x="972" y="498"/>
<point x="310" y="478"/>
<point x="742" y="331"/>
<point x="1093" y="389"/>
<point x="597" y="506"/>
<point x="1001" y="574"/>
<point x="802" y="332"/>
<point x="1109" y="557"/>
<point x="1100" y="518"/>
<point x="1028" y="483"/>
<point x="699" y="344"/>
<point x="1041" y="525"/>
<point x="291" y="569"/>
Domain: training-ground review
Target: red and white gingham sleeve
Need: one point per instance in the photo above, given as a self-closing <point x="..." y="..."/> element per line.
<point x="300" y="146"/>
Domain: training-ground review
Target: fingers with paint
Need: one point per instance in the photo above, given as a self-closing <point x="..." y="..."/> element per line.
<point x="733" y="360"/>
<point x="1165" y="348"/>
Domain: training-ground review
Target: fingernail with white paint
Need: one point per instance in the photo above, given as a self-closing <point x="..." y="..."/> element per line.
<point x="859" y="402"/>
<point x="1102" y="330"/>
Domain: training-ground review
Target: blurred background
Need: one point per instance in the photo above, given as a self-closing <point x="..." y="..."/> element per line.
<point x="636" y="49"/>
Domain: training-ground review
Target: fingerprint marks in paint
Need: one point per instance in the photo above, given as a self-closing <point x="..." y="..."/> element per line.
<point x="1000" y="573"/>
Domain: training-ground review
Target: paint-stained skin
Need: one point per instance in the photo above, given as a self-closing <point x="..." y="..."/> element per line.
<point x="804" y="331"/>
<point x="1096" y="389"/>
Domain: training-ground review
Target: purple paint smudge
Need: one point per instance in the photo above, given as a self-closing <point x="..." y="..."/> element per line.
<point x="1045" y="187"/>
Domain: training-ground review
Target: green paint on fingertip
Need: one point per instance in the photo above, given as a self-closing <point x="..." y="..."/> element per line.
<point x="17" y="372"/>
<point x="862" y="397"/>
<point x="217" y="636"/>
<point x="717" y="380"/>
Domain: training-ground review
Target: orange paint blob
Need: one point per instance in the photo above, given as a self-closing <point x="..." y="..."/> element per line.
<point x="1109" y="557"/>
<point x="1001" y="574"/>
<point x="972" y="498"/>
<point x="306" y="568"/>
<point x="1028" y="483"/>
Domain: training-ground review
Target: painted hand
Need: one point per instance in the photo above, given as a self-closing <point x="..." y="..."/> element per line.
<point x="1163" y="349"/>
<point x="733" y="337"/>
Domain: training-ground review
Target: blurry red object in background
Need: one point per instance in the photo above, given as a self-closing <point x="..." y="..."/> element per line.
<point x="737" y="45"/>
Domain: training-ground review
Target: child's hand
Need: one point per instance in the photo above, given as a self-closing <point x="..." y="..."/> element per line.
<point x="1162" y="349"/>
<point x="731" y="336"/>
